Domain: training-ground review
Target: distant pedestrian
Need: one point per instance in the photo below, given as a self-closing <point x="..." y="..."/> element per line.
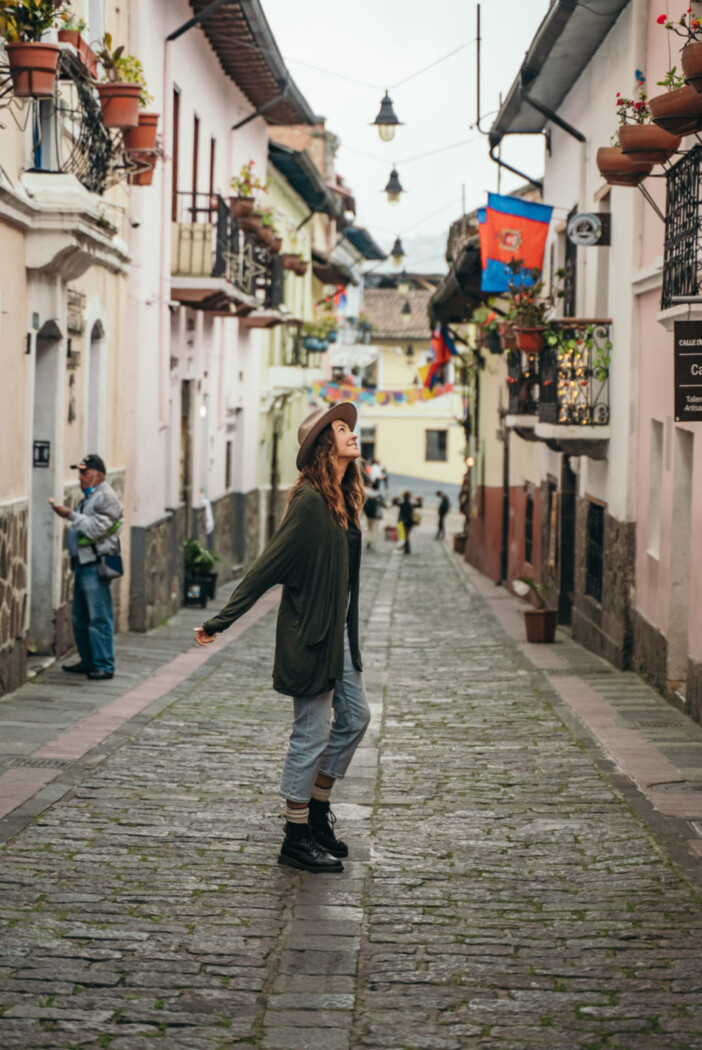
<point x="408" y="516"/>
<point x="384" y="478"/>
<point x="376" y="472"/>
<point x="94" y="547"/>
<point x="316" y="556"/>
<point x="373" y="510"/>
<point x="444" y="508"/>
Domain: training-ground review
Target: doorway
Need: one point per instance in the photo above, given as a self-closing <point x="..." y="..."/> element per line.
<point x="678" y="629"/>
<point x="95" y="408"/>
<point x="46" y="478"/>
<point x="566" y="574"/>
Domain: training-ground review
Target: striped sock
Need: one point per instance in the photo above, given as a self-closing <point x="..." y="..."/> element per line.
<point x="321" y="794"/>
<point x="297" y="814"/>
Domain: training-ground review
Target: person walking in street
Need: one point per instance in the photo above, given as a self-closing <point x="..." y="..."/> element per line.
<point x="316" y="556"/>
<point x="408" y="516"/>
<point x="94" y="547"/>
<point x="444" y="508"/>
<point x="373" y="510"/>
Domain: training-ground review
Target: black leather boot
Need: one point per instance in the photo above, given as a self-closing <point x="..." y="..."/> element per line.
<point x="299" y="850"/>
<point x="322" y="822"/>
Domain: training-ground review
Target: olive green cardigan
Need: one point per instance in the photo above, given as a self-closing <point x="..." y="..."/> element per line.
<point x="309" y="555"/>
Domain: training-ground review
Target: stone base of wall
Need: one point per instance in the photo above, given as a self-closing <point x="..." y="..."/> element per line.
<point x="606" y="628"/>
<point x="650" y="658"/>
<point x="14" y="596"/>
<point x="156" y="569"/>
<point x="248" y="521"/>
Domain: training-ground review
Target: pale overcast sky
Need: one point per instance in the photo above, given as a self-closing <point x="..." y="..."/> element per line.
<point x="380" y="43"/>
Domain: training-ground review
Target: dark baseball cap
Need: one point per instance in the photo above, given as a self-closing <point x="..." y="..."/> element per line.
<point x="90" y="462"/>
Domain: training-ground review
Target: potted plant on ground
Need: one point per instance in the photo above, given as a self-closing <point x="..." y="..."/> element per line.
<point x="123" y="89"/>
<point x="639" y="139"/>
<point x="33" y="64"/>
<point x="200" y="579"/>
<point x="541" y="622"/>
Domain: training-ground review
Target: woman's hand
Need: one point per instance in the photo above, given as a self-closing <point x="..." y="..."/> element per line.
<point x="202" y="637"/>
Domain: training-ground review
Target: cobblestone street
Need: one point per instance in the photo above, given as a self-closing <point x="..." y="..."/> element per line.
<point x="508" y="885"/>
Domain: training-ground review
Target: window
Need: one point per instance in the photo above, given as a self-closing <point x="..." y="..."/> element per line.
<point x="595" y="549"/>
<point x="228" y="467"/>
<point x="436" y="445"/>
<point x="529" y="530"/>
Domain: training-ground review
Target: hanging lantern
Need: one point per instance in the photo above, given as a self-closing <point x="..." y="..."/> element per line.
<point x="406" y="313"/>
<point x="393" y="188"/>
<point x="397" y="252"/>
<point x="386" y="121"/>
<point x="403" y="283"/>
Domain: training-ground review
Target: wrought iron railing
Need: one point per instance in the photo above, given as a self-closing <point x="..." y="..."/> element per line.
<point x="682" y="258"/>
<point x="522" y="377"/>
<point x="574" y="373"/>
<point x="208" y="242"/>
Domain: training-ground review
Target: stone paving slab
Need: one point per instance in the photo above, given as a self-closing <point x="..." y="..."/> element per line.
<point x="509" y="885"/>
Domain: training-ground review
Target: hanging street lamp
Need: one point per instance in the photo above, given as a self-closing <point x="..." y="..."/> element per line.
<point x="386" y="121"/>
<point x="403" y="283"/>
<point x="406" y="313"/>
<point x="393" y="188"/>
<point x="397" y="252"/>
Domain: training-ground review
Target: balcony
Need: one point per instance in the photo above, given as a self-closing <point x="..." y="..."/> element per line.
<point x="682" y="257"/>
<point x="218" y="268"/>
<point x="561" y="397"/>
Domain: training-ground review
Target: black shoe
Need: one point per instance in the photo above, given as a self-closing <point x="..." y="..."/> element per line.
<point x="79" y="668"/>
<point x="322" y="822"/>
<point x="100" y="676"/>
<point x="299" y="850"/>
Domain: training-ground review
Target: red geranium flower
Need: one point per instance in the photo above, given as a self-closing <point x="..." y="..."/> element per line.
<point x="661" y="19"/>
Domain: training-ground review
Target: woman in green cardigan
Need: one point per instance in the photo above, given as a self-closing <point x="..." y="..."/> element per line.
<point x="316" y="556"/>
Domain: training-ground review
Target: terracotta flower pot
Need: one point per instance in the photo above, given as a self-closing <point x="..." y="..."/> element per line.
<point x="647" y="143"/>
<point x="120" y="104"/>
<point x="250" y="224"/>
<point x="33" y="68"/>
<point x="85" y="53"/>
<point x="541" y="624"/>
<point x="143" y="136"/>
<point x="301" y="268"/>
<point x="289" y="261"/>
<point x="530" y="340"/>
<point x="692" y="65"/>
<point x="144" y="177"/>
<point x="275" y="244"/>
<point x="679" y="111"/>
<point x="241" y="207"/>
<point x="619" y="170"/>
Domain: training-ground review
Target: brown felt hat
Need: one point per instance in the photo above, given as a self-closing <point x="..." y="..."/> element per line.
<point x="311" y="427"/>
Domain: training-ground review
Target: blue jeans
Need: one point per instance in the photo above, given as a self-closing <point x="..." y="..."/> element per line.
<point x="93" y="621"/>
<point x="318" y="744"/>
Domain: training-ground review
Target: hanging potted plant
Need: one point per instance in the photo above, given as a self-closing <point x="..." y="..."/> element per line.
<point x="71" y="27"/>
<point x="488" y="329"/>
<point x="690" y="28"/>
<point x="33" y="64"/>
<point x="123" y="86"/>
<point x="617" y="169"/>
<point x="679" y="108"/>
<point x="541" y="622"/>
<point x="245" y="185"/>
<point x="289" y="261"/>
<point x="639" y="139"/>
<point x="530" y="307"/>
<point x="301" y="266"/>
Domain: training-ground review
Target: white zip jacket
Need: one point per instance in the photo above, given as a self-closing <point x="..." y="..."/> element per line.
<point x="101" y="509"/>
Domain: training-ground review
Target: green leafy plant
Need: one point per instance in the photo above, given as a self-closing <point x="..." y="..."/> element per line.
<point x="672" y="80"/>
<point x="120" y="68"/>
<point x="198" y="561"/>
<point x="540" y="590"/>
<point x="531" y="302"/>
<point x="246" y="183"/>
<point x="634" y="110"/>
<point x="687" y="26"/>
<point x="26" y="21"/>
<point x="486" y="319"/>
<point x="68" y="19"/>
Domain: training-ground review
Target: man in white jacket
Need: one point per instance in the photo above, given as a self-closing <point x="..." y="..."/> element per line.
<point x="94" y="547"/>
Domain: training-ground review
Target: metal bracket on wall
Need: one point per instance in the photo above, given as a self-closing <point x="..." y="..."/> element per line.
<point x="649" y="198"/>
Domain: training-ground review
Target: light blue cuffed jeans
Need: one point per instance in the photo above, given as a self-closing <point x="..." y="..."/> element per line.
<point x="322" y="744"/>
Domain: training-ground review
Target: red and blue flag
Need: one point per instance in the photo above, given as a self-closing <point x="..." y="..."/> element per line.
<point x="513" y="229"/>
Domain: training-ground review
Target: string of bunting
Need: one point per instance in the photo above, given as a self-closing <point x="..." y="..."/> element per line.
<point x="333" y="392"/>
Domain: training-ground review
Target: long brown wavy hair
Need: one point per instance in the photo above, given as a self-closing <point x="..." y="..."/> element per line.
<point x="345" y="500"/>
